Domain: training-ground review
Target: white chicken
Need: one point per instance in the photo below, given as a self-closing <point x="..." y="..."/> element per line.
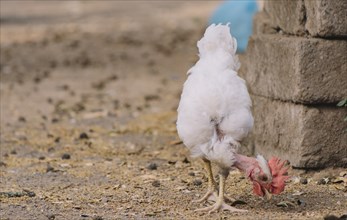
<point x="214" y="115"/>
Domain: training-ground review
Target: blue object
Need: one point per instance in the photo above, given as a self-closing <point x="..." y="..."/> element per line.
<point x="240" y="16"/>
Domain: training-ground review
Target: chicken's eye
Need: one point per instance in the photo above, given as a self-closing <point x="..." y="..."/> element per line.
<point x="263" y="178"/>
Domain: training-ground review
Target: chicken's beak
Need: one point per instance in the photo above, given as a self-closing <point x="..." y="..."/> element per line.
<point x="268" y="195"/>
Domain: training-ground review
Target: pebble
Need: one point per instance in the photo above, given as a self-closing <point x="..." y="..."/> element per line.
<point x="152" y="166"/>
<point x="191" y="174"/>
<point x="343" y="174"/>
<point x="171" y="162"/>
<point x="84" y="135"/>
<point x="42" y="157"/>
<point x="13" y="152"/>
<point x="150" y="214"/>
<point x="185" y="160"/>
<point x="51" y="217"/>
<point x="55" y="120"/>
<point x="334" y="217"/>
<point x="66" y="156"/>
<point x="57" y="140"/>
<point x="303" y="181"/>
<point x="30" y="193"/>
<point x="156" y="183"/>
<point x="338" y="180"/>
<point x="301" y="202"/>
<point x="22" y="119"/>
<point x="197" y="182"/>
<point x="238" y="202"/>
<point x="323" y="181"/>
<point x="151" y="97"/>
<point x="49" y="168"/>
<point x="17" y="194"/>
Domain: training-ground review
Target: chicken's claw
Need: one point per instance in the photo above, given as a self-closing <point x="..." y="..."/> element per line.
<point x="220" y="206"/>
<point x="210" y="195"/>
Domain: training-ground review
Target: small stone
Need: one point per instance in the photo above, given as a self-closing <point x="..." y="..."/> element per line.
<point x="57" y="140"/>
<point x="49" y="168"/>
<point x="30" y="193"/>
<point x="127" y="105"/>
<point x="156" y="183"/>
<point x="13" y="152"/>
<point x="50" y="135"/>
<point x="338" y="180"/>
<point x="51" y="217"/>
<point x="171" y="162"/>
<point x="301" y="202"/>
<point x="84" y="216"/>
<point x="191" y="174"/>
<point x="185" y="160"/>
<point x="42" y="157"/>
<point x="238" y="202"/>
<point x="97" y="218"/>
<point x="55" y="120"/>
<point x="150" y="214"/>
<point x="84" y="135"/>
<point x="152" y="166"/>
<point x="151" y="97"/>
<point x="331" y="217"/>
<point x="343" y="174"/>
<point x="303" y="181"/>
<point x="3" y="164"/>
<point x="66" y="156"/>
<point x="197" y="182"/>
<point x="22" y="119"/>
<point x="323" y="181"/>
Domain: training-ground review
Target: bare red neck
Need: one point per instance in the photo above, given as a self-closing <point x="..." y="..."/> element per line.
<point x="245" y="164"/>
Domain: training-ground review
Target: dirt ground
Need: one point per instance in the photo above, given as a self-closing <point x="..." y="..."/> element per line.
<point x="89" y="92"/>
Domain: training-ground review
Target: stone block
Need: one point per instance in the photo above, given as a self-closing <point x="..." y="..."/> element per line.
<point x="326" y="18"/>
<point x="307" y="136"/>
<point x="296" y="69"/>
<point x="262" y="24"/>
<point x="319" y="18"/>
<point x="289" y="15"/>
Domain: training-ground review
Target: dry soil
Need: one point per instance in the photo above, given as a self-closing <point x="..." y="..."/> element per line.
<point x="89" y="92"/>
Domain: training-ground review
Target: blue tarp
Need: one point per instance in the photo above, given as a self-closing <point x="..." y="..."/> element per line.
<point x="240" y="16"/>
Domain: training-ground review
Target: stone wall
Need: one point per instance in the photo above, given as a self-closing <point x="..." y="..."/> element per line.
<point x="296" y="70"/>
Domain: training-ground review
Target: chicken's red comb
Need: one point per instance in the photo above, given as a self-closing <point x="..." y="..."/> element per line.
<point x="279" y="173"/>
<point x="278" y="167"/>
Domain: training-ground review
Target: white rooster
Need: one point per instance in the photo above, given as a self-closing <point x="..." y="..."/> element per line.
<point x="214" y="115"/>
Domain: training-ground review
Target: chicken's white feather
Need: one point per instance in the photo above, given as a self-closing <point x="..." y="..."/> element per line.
<point x="217" y="38"/>
<point x="264" y="165"/>
<point x="215" y="96"/>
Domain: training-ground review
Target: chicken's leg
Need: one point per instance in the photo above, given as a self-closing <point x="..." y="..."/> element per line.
<point x="211" y="193"/>
<point x="220" y="204"/>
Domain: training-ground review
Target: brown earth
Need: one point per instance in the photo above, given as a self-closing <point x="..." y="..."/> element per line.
<point x="89" y="93"/>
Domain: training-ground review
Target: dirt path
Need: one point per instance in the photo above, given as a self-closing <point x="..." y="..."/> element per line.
<point x="89" y="93"/>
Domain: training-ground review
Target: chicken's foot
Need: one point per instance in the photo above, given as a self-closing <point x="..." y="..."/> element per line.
<point x="220" y="203"/>
<point x="211" y="194"/>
